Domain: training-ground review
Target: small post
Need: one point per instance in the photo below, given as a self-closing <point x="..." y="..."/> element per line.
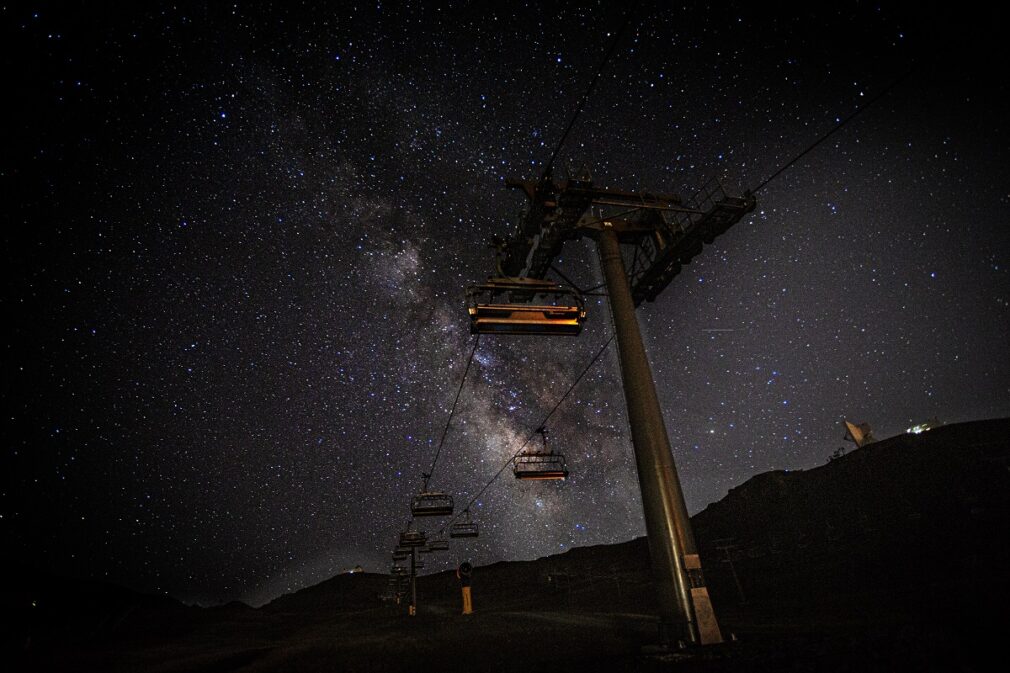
<point x="413" y="581"/>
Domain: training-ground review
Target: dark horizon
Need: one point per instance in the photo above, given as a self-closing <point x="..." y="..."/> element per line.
<point x="240" y="240"/>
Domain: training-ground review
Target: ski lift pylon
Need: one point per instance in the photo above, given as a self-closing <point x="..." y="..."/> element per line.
<point x="561" y="311"/>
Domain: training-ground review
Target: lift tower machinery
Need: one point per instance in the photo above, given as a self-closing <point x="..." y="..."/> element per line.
<point x="644" y="239"/>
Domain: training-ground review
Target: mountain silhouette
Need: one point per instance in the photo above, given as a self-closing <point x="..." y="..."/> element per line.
<point x="893" y="556"/>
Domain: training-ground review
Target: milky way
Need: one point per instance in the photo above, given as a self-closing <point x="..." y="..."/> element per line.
<point x="240" y="237"/>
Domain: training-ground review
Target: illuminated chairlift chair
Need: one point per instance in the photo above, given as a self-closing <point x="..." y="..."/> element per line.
<point x="431" y="503"/>
<point x="413" y="538"/>
<point x="464" y="528"/>
<point x="562" y="314"/>
<point x="542" y="465"/>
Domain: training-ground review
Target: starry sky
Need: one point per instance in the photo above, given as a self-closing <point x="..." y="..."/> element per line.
<point x="237" y="236"/>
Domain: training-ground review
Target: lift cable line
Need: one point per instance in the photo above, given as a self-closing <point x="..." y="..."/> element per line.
<point x="894" y="83"/>
<point x="429" y="503"/>
<point x="452" y="410"/>
<point x="589" y="91"/>
<point x="532" y="434"/>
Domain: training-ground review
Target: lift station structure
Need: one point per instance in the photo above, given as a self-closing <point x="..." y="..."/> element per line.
<point x="657" y="234"/>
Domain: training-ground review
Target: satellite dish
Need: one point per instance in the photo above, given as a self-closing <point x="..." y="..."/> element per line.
<point x="860" y="434"/>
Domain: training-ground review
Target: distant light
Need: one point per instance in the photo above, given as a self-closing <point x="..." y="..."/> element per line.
<point x="919" y="429"/>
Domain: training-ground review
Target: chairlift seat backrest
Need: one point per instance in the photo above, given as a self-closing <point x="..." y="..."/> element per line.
<point x="526" y="320"/>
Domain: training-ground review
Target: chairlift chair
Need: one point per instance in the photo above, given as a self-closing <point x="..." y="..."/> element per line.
<point x="539" y="466"/>
<point x="431" y="503"/>
<point x="413" y="538"/>
<point x="561" y="315"/>
<point x="401" y="555"/>
<point x="438" y="545"/>
<point x="466" y="528"/>
<point x="544" y="465"/>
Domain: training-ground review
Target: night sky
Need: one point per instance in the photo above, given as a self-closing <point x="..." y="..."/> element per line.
<point x="236" y="240"/>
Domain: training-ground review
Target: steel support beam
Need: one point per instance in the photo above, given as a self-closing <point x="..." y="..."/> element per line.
<point x="675" y="563"/>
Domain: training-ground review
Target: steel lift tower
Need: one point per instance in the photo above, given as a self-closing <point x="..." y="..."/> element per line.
<point x="644" y="240"/>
